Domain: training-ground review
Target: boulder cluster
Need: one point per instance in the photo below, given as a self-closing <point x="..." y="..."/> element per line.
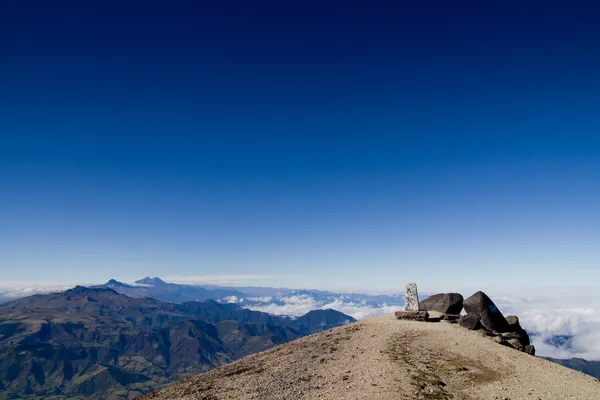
<point x="481" y="315"/>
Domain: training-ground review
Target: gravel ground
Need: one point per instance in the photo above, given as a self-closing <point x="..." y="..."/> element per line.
<point x="384" y="358"/>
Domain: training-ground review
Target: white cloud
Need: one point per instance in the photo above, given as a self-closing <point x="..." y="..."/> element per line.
<point x="232" y="299"/>
<point x="297" y="305"/>
<point x="264" y="299"/>
<point x="574" y="317"/>
<point x="22" y="289"/>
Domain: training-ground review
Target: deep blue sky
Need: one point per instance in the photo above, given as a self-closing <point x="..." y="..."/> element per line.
<point x="342" y="145"/>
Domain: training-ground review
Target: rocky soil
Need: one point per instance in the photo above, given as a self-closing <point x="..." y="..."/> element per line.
<point x="384" y="358"/>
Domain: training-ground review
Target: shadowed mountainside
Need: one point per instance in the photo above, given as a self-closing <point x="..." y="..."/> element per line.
<point x="579" y="364"/>
<point x="90" y="343"/>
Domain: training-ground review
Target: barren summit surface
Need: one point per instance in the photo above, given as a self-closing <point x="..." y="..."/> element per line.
<point x="384" y="358"/>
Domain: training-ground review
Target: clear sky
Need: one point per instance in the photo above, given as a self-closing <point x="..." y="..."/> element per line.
<point x="343" y="145"/>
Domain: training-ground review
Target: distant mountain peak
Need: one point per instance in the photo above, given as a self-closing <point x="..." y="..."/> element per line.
<point x="156" y="281"/>
<point x="77" y="289"/>
<point x="87" y="290"/>
<point x="113" y="283"/>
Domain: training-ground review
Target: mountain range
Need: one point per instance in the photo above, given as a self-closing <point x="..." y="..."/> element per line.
<point x="96" y="343"/>
<point x="247" y="296"/>
<point x="158" y="289"/>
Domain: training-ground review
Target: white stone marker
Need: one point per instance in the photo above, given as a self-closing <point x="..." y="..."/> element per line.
<point x="412" y="298"/>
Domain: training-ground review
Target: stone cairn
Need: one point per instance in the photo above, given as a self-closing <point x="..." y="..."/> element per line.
<point x="482" y="315"/>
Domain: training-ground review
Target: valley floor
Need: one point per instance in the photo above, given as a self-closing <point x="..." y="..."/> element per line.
<point x="384" y="358"/>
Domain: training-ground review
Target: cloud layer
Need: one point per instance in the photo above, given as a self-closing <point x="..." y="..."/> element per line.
<point x="14" y="290"/>
<point x="561" y="326"/>
<point x="297" y="305"/>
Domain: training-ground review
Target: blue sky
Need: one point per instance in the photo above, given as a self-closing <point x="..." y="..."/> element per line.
<point x="313" y="145"/>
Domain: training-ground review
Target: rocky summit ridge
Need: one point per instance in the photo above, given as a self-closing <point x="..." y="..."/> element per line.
<point x="425" y="352"/>
<point x="481" y="314"/>
<point x="384" y="358"/>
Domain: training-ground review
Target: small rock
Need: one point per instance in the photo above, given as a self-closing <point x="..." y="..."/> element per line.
<point x="451" y="318"/>
<point x="530" y="349"/>
<point x="510" y="335"/>
<point x="412" y="315"/>
<point x="515" y="328"/>
<point x="487" y="333"/>
<point x="515" y="344"/>
<point x="513" y="320"/>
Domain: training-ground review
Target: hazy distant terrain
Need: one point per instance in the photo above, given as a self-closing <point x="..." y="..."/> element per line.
<point x="170" y="292"/>
<point x="280" y="301"/>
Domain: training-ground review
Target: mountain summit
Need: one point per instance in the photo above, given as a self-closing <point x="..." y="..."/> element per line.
<point x="383" y="358"/>
<point x="156" y="281"/>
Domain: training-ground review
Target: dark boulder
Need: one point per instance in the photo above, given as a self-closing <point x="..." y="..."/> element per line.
<point x="472" y="322"/>
<point x="515" y="328"/>
<point x="482" y="306"/>
<point x="446" y="303"/>
<point x="530" y="349"/>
